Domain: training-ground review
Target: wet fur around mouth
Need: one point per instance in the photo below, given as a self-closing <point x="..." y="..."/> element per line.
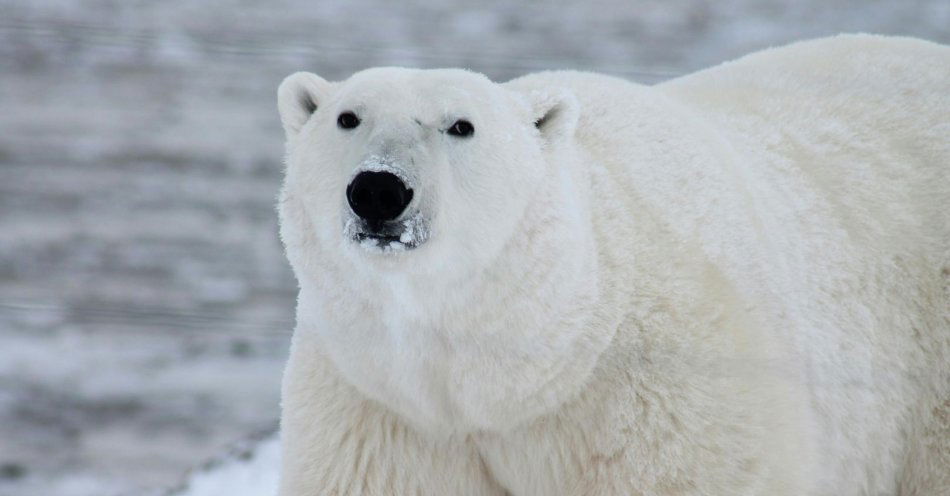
<point x="382" y="240"/>
<point x="404" y="234"/>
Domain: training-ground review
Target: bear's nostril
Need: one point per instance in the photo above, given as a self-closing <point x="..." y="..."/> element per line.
<point x="378" y="196"/>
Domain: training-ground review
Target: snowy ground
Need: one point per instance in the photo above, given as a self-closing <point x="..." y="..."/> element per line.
<point x="145" y="305"/>
<point x="250" y="469"/>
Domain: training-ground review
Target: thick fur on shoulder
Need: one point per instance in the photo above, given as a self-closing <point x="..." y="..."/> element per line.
<point x="735" y="282"/>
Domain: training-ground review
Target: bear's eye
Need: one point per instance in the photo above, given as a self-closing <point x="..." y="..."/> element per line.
<point x="462" y="128"/>
<point x="348" y="120"/>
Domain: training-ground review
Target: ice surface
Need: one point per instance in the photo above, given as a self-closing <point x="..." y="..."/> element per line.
<point x="145" y="304"/>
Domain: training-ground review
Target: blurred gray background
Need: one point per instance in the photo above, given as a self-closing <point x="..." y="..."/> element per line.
<point x="145" y="304"/>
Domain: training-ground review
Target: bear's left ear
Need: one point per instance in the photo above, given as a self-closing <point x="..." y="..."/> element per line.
<point x="298" y="97"/>
<point x="554" y="111"/>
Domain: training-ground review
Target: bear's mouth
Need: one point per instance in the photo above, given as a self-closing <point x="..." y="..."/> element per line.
<point x="384" y="241"/>
<point x="387" y="236"/>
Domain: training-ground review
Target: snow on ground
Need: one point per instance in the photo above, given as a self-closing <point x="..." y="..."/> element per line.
<point x="248" y="471"/>
<point x="145" y="305"/>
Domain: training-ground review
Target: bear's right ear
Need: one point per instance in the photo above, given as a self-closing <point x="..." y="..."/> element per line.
<point x="554" y="111"/>
<point x="298" y="97"/>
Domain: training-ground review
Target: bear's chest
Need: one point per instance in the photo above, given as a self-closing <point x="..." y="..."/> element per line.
<point x="437" y="377"/>
<point x="484" y="370"/>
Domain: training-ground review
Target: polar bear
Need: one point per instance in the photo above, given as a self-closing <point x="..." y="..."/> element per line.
<point x="734" y="282"/>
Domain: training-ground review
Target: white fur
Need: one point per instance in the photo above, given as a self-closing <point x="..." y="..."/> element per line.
<point x="733" y="283"/>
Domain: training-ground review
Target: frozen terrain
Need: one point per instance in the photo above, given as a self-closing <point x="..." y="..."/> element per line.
<point x="145" y="304"/>
<point x="251" y="470"/>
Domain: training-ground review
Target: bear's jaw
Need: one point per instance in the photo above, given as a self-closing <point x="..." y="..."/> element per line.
<point x="389" y="236"/>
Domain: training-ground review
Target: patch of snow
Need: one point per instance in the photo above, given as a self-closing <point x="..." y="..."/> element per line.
<point x="251" y="471"/>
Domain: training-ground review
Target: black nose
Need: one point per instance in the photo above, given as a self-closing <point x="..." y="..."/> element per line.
<point x="378" y="196"/>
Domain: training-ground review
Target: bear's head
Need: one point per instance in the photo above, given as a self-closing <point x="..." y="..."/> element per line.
<point x="422" y="171"/>
<point x="437" y="226"/>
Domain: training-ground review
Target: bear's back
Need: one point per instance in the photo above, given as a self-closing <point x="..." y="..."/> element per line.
<point x="844" y="144"/>
<point x="865" y="119"/>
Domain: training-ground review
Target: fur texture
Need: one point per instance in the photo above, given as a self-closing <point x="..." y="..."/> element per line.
<point x="733" y="283"/>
